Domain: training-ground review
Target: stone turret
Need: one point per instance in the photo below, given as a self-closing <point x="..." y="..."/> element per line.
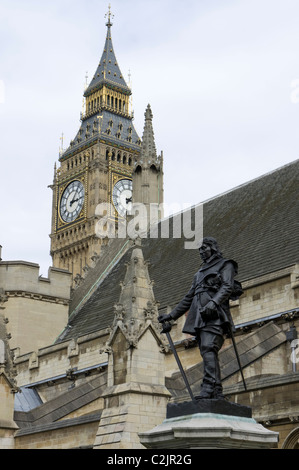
<point x="147" y="175"/>
<point x="136" y="376"/>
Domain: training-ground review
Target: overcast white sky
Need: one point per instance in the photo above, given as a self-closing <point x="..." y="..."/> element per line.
<point x="222" y="78"/>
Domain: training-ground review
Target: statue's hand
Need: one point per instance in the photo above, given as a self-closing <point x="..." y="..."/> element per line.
<point x="210" y="311"/>
<point x="164" y="317"/>
<point x="211" y="306"/>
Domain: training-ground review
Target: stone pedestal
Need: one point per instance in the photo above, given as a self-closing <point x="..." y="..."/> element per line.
<point x="215" y="406"/>
<point x="205" y="429"/>
<point x="129" y="409"/>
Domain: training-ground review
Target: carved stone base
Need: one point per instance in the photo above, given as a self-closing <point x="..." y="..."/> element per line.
<point x="209" y="431"/>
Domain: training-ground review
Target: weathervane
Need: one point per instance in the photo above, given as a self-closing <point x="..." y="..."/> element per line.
<point x="109" y="15"/>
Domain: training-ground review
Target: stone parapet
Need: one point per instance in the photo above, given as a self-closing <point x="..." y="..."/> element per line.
<point x="23" y="276"/>
<point x="37" y="307"/>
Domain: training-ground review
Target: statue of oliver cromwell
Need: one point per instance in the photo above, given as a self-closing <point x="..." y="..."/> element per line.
<point x="209" y="318"/>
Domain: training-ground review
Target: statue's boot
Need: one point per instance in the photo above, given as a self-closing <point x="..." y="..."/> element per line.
<point x="209" y="345"/>
<point x="218" y="392"/>
<point x="211" y="385"/>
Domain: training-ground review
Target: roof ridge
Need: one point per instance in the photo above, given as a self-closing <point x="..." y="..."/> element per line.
<point x="242" y="185"/>
<point x="247" y="182"/>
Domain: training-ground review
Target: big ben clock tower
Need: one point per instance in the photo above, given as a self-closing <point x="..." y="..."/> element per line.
<point x="96" y="167"/>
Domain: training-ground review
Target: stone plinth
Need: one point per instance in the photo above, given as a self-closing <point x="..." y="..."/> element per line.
<point x="215" y="406"/>
<point x="208" y="430"/>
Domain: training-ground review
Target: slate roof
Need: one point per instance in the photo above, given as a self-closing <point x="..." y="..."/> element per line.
<point x="115" y="128"/>
<point x="27" y="399"/>
<point x="257" y="224"/>
<point x="108" y="70"/>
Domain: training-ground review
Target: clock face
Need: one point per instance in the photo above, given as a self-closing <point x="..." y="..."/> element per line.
<point x="72" y="201"/>
<point x="122" y="196"/>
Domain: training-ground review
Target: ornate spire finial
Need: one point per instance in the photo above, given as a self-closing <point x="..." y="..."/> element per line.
<point x="109" y="15"/>
<point x="148" y="149"/>
<point x="61" y="148"/>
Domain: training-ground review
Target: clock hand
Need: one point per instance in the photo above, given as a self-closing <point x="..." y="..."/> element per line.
<point x="128" y="199"/>
<point x="75" y="200"/>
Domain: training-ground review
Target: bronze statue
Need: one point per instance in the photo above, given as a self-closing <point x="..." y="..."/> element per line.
<point x="209" y="318"/>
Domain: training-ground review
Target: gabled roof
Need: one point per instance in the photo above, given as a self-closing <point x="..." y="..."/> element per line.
<point x="256" y="224"/>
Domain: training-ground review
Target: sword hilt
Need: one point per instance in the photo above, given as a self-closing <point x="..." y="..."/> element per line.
<point x="166" y="327"/>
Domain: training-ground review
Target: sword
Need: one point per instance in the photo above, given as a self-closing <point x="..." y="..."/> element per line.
<point x="166" y="327"/>
<point x="237" y="356"/>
